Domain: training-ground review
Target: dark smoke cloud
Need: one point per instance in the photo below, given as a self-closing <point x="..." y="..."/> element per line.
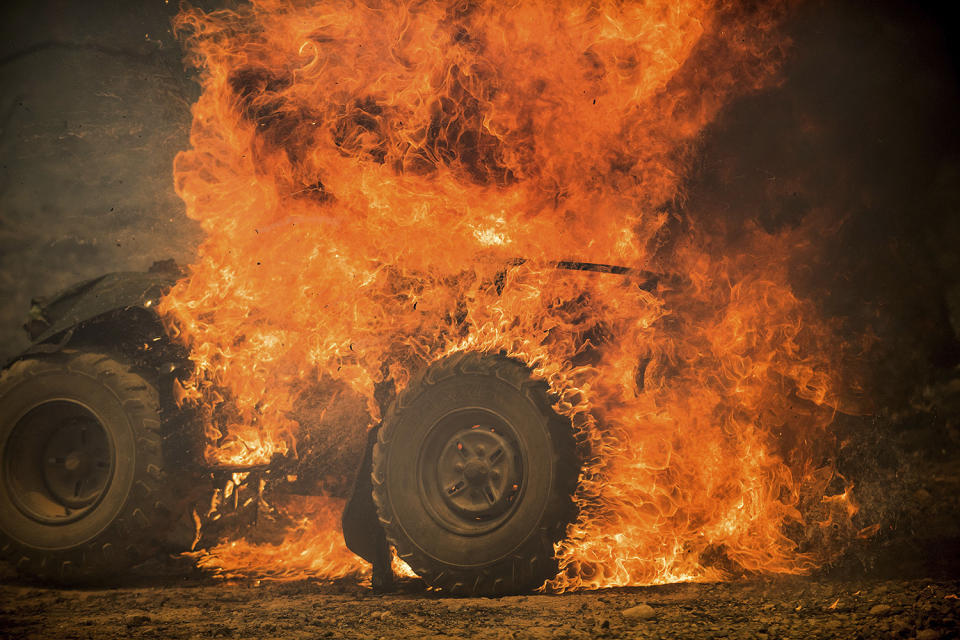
<point x="860" y="146"/>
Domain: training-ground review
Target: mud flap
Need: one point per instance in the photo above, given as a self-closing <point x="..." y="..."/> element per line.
<point x="362" y="532"/>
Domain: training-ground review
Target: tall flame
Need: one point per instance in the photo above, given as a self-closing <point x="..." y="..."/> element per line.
<point x="383" y="182"/>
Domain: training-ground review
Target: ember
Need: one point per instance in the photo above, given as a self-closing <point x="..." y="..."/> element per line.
<point x="385" y="185"/>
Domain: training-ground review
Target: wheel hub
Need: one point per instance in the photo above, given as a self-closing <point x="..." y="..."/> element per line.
<point x="479" y="472"/>
<point x="58" y="462"/>
<point x="76" y="463"/>
<point x="476" y="471"/>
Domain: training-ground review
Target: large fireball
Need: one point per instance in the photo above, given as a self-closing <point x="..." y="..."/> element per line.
<point x="383" y="183"/>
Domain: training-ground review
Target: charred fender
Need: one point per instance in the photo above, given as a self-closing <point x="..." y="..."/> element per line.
<point x="473" y="474"/>
<point x="85" y="302"/>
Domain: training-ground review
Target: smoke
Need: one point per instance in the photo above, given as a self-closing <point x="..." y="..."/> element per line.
<point x="857" y="152"/>
<point x="857" y="147"/>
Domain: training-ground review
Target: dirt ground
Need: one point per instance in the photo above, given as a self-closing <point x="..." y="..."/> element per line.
<point x="191" y="608"/>
<point x="903" y="583"/>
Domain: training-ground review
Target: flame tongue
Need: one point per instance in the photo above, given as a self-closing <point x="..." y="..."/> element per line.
<point x="367" y="173"/>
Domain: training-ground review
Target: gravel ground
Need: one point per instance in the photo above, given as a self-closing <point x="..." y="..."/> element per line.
<point x="781" y="608"/>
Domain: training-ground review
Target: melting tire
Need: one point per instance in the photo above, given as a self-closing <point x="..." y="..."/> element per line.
<point x="83" y="488"/>
<point x="473" y="476"/>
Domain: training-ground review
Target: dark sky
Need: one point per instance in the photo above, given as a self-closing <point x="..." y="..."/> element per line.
<point x="861" y="137"/>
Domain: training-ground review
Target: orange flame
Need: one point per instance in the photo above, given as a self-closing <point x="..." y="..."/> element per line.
<point x="312" y="547"/>
<point x="368" y="174"/>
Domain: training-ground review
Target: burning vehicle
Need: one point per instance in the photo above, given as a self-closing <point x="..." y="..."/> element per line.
<point x="473" y="471"/>
<point x="404" y="338"/>
<point x="470" y="478"/>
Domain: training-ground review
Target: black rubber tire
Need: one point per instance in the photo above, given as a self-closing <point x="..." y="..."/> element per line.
<point x="125" y="523"/>
<point x="447" y="540"/>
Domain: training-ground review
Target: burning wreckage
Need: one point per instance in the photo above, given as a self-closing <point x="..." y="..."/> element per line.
<point x="473" y="472"/>
<point x="356" y="341"/>
<point x="470" y="477"/>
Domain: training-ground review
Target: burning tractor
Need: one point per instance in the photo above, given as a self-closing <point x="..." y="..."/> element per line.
<point x="469" y="477"/>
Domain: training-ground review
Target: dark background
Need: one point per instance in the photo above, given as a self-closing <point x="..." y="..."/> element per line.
<point x="860" y="139"/>
<point x="95" y="103"/>
<point x="860" y="145"/>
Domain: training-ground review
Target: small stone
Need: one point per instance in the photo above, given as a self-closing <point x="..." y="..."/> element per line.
<point x="536" y="633"/>
<point x="136" y="621"/>
<point x="642" y="611"/>
<point x="901" y="626"/>
<point x="880" y="610"/>
<point x="928" y="634"/>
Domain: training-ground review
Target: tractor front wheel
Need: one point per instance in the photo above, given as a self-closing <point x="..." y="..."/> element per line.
<point x="473" y="476"/>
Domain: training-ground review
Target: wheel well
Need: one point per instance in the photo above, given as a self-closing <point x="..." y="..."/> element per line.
<point x="137" y="335"/>
<point x="133" y="332"/>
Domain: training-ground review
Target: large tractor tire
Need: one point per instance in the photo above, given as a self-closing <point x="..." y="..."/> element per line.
<point x="473" y="476"/>
<point x="83" y="494"/>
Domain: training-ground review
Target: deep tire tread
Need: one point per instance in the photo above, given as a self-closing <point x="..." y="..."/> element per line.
<point x="135" y="534"/>
<point x="534" y="562"/>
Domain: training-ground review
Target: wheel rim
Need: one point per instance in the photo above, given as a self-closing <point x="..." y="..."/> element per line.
<point x="58" y="462"/>
<point x="471" y="471"/>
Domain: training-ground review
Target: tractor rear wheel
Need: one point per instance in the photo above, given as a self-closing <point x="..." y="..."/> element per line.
<point x="83" y="494"/>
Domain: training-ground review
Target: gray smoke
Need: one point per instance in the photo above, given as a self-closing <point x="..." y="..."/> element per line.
<point x="94" y="106"/>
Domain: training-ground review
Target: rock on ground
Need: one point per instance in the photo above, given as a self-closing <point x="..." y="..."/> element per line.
<point x="780" y="608"/>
